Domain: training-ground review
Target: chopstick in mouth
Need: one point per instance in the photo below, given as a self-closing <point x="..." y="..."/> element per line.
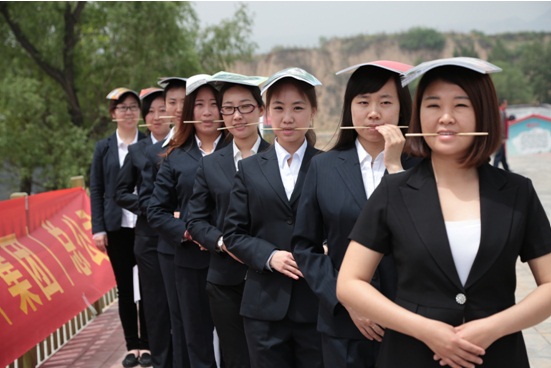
<point x="436" y="134"/>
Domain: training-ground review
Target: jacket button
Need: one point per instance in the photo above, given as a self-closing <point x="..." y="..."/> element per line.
<point x="460" y="298"/>
<point x="290" y="221"/>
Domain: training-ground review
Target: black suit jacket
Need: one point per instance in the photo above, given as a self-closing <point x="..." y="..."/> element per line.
<point x="207" y="211"/>
<point x="260" y="220"/>
<point x="406" y="212"/>
<point x="152" y="160"/>
<point x="173" y="188"/>
<point x="130" y="177"/>
<point x="106" y="213"/>
<point x="331" y="201"/>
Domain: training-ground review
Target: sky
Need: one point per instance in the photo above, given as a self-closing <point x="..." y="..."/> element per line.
<point x="303" y="23"/>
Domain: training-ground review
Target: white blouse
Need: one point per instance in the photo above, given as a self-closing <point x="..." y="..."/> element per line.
<point x="464" y="238"/>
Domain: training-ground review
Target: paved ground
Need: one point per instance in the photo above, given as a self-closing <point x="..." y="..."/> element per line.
<point x="98" y="345"/>
<point x="538" y="338"/>
<point x="101" y="344"/>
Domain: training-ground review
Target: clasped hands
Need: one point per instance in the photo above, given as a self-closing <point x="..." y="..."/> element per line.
<point x="462" y="346"/>
<point x="458" y="347"/>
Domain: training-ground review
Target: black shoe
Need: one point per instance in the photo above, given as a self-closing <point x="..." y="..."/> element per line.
<point x="145" y="360"/>
<point x="130" y="360"/>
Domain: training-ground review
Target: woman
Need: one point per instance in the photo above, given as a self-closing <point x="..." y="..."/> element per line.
<point x="455" y="303"/>
<point x="174" y="94"/>
<point x="336" y="188"/>
<point x="278" y="307"/>
<point x="196" y="136"/>
<point x="145" y="242"/>
<point x="241" y="108"/>
<point x="112" y="226"/>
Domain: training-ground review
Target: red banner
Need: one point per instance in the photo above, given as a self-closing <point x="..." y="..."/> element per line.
<point x="50" y="270"/>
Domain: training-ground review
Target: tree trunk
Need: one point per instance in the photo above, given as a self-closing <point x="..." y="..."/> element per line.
<point x="65" y="77"/>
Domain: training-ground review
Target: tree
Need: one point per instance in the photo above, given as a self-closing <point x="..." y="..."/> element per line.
<point x="535" y="64"/>
<point x="419" y="38"/>
<point x="60" y="59"/>
<point x="511" y="83"/>
<point x="61" y="67"/>
<point x="224" y="44"/>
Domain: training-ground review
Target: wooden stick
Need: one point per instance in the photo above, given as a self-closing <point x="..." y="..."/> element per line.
<point x="201" y="121"/>
<point x="124" y="119"/>
<point x="146" y="125"/>
<point x="274" y="129"/>
<point x="232" y="126"/>
<point x="474" y="133"/>
<point x="167" y="117"/>
<point x="367" y="127"/>
<point x="436" y="134"/>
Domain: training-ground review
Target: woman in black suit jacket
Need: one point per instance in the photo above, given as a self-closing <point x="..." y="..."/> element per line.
<point x="113" y="226"/>
<point x="195" y="137"/>
<point x="455" y="226"/>
<point x="241" y="107"/>
<point x="278" y="307"/>
<point x="336" y="188"/>
<point x="174" y="93"/>
<point x="129" y="183"/>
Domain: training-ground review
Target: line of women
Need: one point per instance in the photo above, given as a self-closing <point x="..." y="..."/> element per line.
<point x="263" y="263"/>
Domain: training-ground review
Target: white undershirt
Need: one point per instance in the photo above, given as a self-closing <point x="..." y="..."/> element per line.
<point x="200" y="145"/>
<point x="128" y="218"/>
<point x="464" y="238"/>
<point x="371" y="173"/>
<point x="289" y="173"/>
<point x="237" y="156"/>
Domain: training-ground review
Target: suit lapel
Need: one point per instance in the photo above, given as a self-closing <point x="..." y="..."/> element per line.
<point x="193" y="150"/>
<point x="351" y="173"/>
<point x="263" y="146"/>
<point x="422" y="202"/>
<point x="270" y="169"/>
<point x="496" y="214"/>
<point x="226" y="163"/>
<point x="114" y="157"/>
<point x="308" y="154"/>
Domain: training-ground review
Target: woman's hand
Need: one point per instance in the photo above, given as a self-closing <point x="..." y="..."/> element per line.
<point x="449" y="347"/>
<point x="225" y="250"/>
<point x="479" y="332"/>
<point x="101" y="241"/>
<point x="367" y="327"/>
<point x="394" y="145"/>
<point x="284" y="262"/>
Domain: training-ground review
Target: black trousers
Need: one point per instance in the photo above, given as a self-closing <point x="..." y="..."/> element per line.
<point x="225" y="302"/>
<point x="120" y="250"/>
<point x="180" y="355"/>
<point x="348" y="353"/>
<point x="155" y="302"/>
<point x="198" y="325"/>
<point x="277" y="344"/>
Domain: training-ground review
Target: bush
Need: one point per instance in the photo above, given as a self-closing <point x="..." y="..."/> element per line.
<point x="422" y="39"/>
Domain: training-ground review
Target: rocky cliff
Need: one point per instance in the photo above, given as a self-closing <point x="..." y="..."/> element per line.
<point x="336" y="54"/>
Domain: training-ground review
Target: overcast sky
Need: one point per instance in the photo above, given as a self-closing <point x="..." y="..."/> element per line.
<point x="302" y="23"/>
